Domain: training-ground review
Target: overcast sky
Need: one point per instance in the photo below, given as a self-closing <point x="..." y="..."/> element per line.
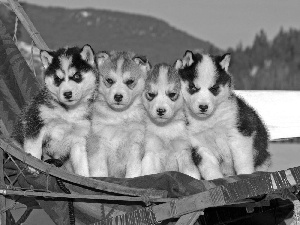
<point x="224" y="23"/>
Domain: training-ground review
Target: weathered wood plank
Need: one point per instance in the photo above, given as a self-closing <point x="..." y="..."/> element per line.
<point x="32" y="31"/>
<point x="189" y="219"/>
<point x="182" y="206"/>
<point x="2" y="197"/>
<point x="85" y="181"/>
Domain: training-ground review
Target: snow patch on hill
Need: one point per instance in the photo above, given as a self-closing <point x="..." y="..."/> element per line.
<point x="85" y="14"/>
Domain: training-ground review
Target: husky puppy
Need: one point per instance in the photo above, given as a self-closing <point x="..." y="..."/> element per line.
<point x="118" y="129"/>
<point x="229" y="135"/>
<point x="57" y="121"/>
<point x="167" y="147"/>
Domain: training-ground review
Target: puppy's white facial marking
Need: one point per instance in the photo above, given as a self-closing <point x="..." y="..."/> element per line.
<point x="162" y="97"/>
<point x="119" y="67"/>
<point x="65" y="64"/>
<point x="202" y="103"/>
<point x="207" y="72"/>
<point x="63" y="86"/>
<point x="163" y="78"/>
<point x="121" y="81"/>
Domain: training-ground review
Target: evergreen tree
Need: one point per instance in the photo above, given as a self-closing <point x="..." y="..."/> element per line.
<point x="268" y="64"/>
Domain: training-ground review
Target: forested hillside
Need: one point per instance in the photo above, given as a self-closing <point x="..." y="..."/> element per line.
<point x="265" y="65"/>
<point x="268" y="64"/>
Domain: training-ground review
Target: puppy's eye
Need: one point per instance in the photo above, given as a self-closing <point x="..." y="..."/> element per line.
<point x="173" y="96"/>
<point x="77" y="77"/>
<point x="57" y="80"/>
<point x="110" y="81"/>
<point x="150" y="96"/>
<point x="129" y="82"/>
<point x="192" y="89"/>
<point x="215" y="89"/>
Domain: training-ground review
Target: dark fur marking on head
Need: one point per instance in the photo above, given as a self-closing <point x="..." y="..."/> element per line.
<point x="77" y="62"/>
<point x="172" y="73"/>
<point x="142" y="58"/>
<point x="55" y="64"/>
<point x="249" y="123"/>
<point x="153" y="74"/>
<point x="115" y="56"/>
<point x="222" y="76"/>
<point x="57" y="80"/>
<point x="189" y="73"/>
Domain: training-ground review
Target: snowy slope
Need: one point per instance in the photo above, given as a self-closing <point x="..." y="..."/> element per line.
<point x="280" y="111"/>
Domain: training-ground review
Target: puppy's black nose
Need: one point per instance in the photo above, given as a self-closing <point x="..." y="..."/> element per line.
<point x="203" y="108"/>
<point x="118" y="97"/>
<point x="160" y="112"/>
<point x="68" y="94"/>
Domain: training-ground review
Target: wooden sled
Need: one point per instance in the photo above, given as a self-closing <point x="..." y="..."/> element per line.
<point x="169" y="197"/>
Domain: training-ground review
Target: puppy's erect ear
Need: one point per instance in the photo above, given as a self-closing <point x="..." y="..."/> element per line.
<point x="178" y="64"/>
<point x="224" y="61"/>
<point x="187" y="58"/>
<point x="87" y="54"/>
<point x="101" y="57"/>
<point x="46" y="58"/>
<point x="143" y="62"/>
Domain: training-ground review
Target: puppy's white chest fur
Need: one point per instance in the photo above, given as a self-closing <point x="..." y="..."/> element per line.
<point x="114" y="127"/>
<point x="177" y="129"/>
<point x="74" y="119"/>
<point x="222" y="120"/>
<point x="118" y="136"/>
<point x="215" y="132"/>
<point x="64" y="127"/>
<point x="167" y="147"/>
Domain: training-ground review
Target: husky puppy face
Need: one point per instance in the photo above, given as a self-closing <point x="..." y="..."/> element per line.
<point x="122" y="77"/>
<point x="69" y="74"/>
<point x="162" y="97"/>
<point x="206" y="82"/>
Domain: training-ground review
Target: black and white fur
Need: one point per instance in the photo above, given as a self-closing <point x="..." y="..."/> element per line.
<point x="229" y="135"/>
<point x="57" y="121"/>
<point x="167" y="146"/>
<point x="118" y="128"/>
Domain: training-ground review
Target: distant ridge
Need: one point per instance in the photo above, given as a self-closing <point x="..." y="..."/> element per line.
<point x="108" y="30"/>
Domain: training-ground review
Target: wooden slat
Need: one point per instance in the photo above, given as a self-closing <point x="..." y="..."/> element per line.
<point x="32" y="31"/>
<point x="30" y="193"/>
<point x="2" y="198"/>
<point x="221" y="195"/>
<point x="182" y="206"/>
<point x="76" y="179"/>
<point x="189" y="219"/>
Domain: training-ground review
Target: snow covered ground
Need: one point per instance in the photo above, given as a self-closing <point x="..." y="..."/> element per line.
<point x="280" y="111"/>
